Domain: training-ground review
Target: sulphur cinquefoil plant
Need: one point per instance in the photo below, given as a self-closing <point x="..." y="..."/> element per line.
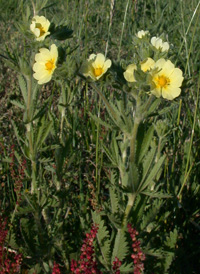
<point x="98" y="152"/>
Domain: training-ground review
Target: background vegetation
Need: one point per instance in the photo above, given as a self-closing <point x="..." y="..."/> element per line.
<point x="72" y="164"/>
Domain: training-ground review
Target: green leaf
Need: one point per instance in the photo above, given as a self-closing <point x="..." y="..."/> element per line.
<point x="62" y="33"/>
<point x="152" y="174"/>
<point x="154" y="194"/>
<point x="172" y="239"/>
<point x="146" y="142"/>
<point x="103" y="240"/>
<point x="126" y="268"/>
<point x="114" y="200"/>
<point x="99" y="121"/>
<point x="43" y="132"/>
<point x="120" y="249"/>
<point x="23" y="87"/>
<point x="17" y="104"/>
<point x="133" y="177"/>
<point x="147" y="163"/>
<point x="110" y="156"/>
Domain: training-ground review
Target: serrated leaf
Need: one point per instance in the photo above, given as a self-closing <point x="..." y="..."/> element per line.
<point x="147" y="163"/>
<point x="154" y="194"/>
<point x="100" y="121"/>
<point x="126" y="268"/>
<point x="146" y="142"/>
<point x="113" y="200"/>
<point x="152" y="174"/>
<point x="172" y="239"/>
<point x="17" y="104"/>
<point x="23" y="87"/>
<point x="110" y="156"/>
<point x="103" y="239"/>
<point x="120" y="249"/>
<point x="43" y="133"/>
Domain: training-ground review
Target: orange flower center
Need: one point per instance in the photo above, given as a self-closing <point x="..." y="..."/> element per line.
<point x="98" y="71"/>
<point x="50" y="65"/>
<point x="162" y="81"/>
<point x="42" y="31"/>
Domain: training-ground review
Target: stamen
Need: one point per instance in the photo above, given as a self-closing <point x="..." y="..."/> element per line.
<point x="98" y="71"/>
<point x="50" y="65"/>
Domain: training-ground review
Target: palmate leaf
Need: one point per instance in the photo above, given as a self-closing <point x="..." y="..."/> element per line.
<point x="110" y="156"/>
<point x="152" y="174"/>
<point x="103" y="240"/>
<point x="43" y="132"/>
<point x="147" y="163"/>
<point x="120" y="249"/>
<point x="146" y="143"/>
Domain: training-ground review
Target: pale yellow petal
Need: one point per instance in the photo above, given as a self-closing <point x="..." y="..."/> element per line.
<point x="107" y="65"/>
<point x="45" y="80"/>
<point x="99" y="61"/>
<point x="92" y="57"/>
<point x="171" y="93"/>
<point x="160" y="63"/>
<point x="176" y="78"/>
<point x="165" y="46"/>
<point x="54" y="52"/>
<point x="129" y="73"/>
<point x="147" y="64"/>
<point x="168" y="68"/>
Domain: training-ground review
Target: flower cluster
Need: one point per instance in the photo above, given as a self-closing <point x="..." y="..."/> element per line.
<point x="163" y="78"/>
<point x="87" y="263"/>
<point x="9" y="263"/>
<point x="116" y="265"/>
<point x="56" y="269"/>
<point x="138" y="256"/>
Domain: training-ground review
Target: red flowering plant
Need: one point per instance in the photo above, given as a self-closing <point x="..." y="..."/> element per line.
<point x="87" y="262"/>
<point x="10" y="261"/>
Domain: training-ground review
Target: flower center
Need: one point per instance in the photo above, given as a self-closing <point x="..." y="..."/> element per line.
<point x="42" y="31"/>
<point x="50" y="65"/>
<point x="162" y="81"/>
<point x="98" y="71"/>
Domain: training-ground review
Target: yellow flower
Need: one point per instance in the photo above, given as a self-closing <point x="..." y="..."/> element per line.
<point x="96" y="66"/>
<point x="40" y="26"/>
<point x="147" y="64"/>
<point x="158" y="43"/>
<point x="45" y="64"/>
<point x="142" y="33"/>
<point x="166" y="80"/>
<point x="129" y="73"/>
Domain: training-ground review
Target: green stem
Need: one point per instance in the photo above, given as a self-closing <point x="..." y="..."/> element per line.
<point x="29" y="134"/>
<point x="131" y="200"/>
<point x="97" y="152"/>
<point x="133" y="140"/>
